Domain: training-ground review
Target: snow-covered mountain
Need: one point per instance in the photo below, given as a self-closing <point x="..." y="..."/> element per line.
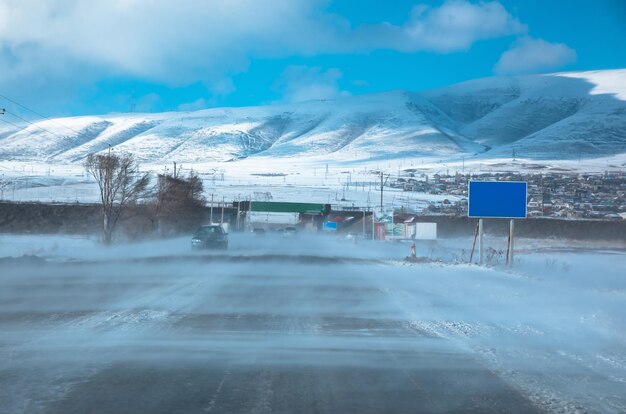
<point x="555" y="116"/>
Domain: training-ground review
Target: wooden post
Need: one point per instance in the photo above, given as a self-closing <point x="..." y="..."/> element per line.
<point x="480" y="241"/>
<point x="473" y="244"/>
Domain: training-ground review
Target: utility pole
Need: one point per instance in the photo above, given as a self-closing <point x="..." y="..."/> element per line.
<point x="364" y="224"/>
<point x="382" y="185"/>
<point x="381" y="191"/>
<point x="238" y="211"/>
<point x="223" y="202"/>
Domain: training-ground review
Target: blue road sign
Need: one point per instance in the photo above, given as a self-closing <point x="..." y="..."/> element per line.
<point x="497" y="199"/>
<point x="330" y="226"/>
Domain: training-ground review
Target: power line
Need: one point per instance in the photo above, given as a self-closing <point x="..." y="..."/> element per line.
<point x="35" y="125"/>
<point x="37" y="113"/>
<point x="10" y="123"/>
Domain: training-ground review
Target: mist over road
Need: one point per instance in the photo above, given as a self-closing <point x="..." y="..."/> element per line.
<point x="307" y="325"/>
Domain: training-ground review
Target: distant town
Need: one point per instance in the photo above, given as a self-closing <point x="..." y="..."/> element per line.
<point x="563" y="195"/>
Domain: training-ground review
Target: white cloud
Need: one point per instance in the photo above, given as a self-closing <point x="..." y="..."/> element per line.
<point x="148" y="102"/>
<point x="78" y="43"/>
<point x="303" y="83"/>
<point x="181" y="42"/>
<point x="222" y="87"/>
<point x="528" y="55"/>
<point x="456" y="25"/>
<point x="196" y="105"/>
<point x="161" y="40"/>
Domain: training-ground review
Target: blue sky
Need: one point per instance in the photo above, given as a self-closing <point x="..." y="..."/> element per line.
<point x="67" y="57"/>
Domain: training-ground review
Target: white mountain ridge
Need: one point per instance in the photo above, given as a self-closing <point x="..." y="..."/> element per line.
<point x="556" y="116"/>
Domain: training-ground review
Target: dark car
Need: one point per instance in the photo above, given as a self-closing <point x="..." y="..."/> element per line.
<point x="290" y="231"/>
<point x="258" y="232"/>
<point x="210" y="237"/>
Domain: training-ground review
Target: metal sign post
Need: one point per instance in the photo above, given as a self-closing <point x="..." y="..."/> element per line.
<point x="509" y="259"/>
<point x="480" y="241"/>
<point x="496" y="199"/>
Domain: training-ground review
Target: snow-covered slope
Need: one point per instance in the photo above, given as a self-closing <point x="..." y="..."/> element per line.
<point x="557" y="116"/>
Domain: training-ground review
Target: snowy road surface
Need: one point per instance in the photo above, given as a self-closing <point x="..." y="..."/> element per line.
<point x="306" y="325"/>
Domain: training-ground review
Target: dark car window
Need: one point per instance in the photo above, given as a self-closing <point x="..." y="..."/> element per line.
<point x="208" y="231"/>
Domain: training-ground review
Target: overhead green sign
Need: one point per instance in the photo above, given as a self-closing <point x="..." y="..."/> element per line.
<point x="277" y="207"/>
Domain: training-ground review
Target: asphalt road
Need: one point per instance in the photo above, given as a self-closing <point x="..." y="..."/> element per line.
<point x="232" y="334"/>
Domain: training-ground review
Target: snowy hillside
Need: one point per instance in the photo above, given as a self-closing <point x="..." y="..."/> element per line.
<point x="557" y="116"/>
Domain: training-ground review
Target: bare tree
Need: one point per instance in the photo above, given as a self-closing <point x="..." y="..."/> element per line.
<point x="178" y="202"/>
<point x="120" y="184"/>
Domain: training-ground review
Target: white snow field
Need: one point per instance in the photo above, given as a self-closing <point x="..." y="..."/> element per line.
<point x="318" y="149"/>
<point x="342" y="325"/>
